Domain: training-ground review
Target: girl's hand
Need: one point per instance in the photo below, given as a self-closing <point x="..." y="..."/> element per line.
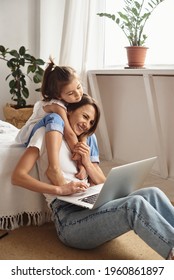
<point x="83" y="150"/>
<point x="76" y="157"/>
<point x="71" y="188"/>
<point x="92" y="168"/>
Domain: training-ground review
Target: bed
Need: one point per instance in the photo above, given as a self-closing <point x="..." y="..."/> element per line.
<point x="18" y="206"/>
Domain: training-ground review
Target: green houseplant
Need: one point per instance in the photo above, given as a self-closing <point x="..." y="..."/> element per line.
<point x="22" y="66"/>
<point x="132" y="20"/>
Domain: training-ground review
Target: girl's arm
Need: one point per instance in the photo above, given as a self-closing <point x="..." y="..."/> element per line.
<point x="93" y="170"/>
<point x="69" y="134"/>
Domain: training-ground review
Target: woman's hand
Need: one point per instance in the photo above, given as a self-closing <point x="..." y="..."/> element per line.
<point x="71" y="188"/>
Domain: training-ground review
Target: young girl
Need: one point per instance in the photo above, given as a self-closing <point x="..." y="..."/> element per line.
<point x="60" y="87"/>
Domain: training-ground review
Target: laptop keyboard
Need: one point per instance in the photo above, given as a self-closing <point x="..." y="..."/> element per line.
<point x="90" y="199"/>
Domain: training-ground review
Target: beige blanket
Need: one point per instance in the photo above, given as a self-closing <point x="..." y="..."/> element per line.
<point x="18" y="206"/>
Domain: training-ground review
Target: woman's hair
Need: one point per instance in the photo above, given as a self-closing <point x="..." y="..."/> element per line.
<point x="54" y="79"/>
<point x="87" y="100"/>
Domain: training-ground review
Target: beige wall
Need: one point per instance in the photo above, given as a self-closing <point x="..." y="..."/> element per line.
<point x="128" y="120"/>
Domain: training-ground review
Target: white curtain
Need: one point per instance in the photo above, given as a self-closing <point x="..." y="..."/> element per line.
<point x="72" y="33"/>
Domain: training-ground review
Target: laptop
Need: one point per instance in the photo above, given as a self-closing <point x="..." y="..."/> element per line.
<point x="120" y="182"/>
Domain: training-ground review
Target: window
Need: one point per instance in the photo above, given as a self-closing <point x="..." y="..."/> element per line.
<point x="159" y="29"/>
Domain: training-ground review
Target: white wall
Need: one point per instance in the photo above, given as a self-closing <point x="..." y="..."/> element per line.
<point x="18" y="26"/>
<point x="128" y="120"/>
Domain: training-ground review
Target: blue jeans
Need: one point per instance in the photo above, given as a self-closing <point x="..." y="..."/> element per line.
<point x="148" y="212"/>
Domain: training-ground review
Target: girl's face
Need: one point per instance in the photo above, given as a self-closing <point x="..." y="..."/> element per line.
<point x="82" y="119"/>
<point x="72" y="92"/>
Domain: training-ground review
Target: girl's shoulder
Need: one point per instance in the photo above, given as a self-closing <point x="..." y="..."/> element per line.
<point x="54" y="101"/>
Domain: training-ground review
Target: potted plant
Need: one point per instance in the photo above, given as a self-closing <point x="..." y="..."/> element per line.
<point x="22" y="66"/>
<point x="132" y="21"/>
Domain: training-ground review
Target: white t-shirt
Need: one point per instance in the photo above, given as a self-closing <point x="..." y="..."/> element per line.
<point x="38" y="114"/>
<point x="68" y="166"/>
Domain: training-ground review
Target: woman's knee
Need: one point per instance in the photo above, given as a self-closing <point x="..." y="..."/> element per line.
<point x="135" y="202"/>
<point x="149" y="191"/>
<point x="154" y="192"/>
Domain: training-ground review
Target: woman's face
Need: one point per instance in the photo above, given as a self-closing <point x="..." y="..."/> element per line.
<point x="82" y="119"/>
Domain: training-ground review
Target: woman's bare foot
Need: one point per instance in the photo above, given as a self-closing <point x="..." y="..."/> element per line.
<point x="171" y="255"/>
<point x="81" y="174"/>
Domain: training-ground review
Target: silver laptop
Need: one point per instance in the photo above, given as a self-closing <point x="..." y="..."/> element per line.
<point x="120" y="182"/>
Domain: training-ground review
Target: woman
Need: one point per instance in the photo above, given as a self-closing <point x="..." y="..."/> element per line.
<point x="147" y="211"/>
